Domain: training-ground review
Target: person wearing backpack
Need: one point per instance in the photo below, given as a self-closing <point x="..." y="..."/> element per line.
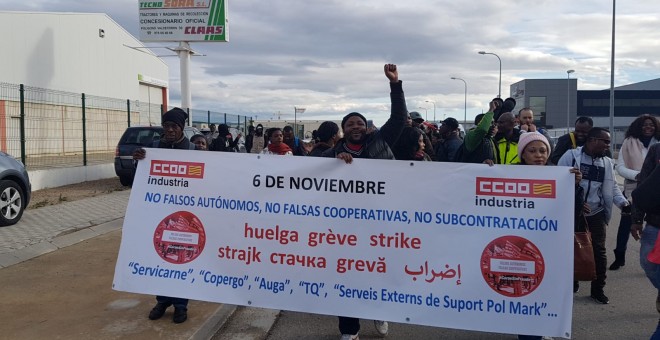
<point x="478" y="145"/>
<point x="572" y="139"/>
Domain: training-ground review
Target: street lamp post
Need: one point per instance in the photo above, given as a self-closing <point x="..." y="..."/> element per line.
<point x="568" y="100"/>
<point x="432" y="102"/>
<point x="465" y="101"/>
<point x="426" y="113"/>
<point x="499" y="91"/>
<point x="612" y="73"/>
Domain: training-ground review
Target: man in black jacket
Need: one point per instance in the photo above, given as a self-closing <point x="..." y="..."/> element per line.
<point x="450" y="143"/>
<point x="225" y="141"/>
<point x="649" y="234"/>
<point x="357" y="143"/>
<point x="173" y="138"/>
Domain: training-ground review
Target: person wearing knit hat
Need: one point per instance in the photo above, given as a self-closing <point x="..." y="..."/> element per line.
<point x="172" y="138"/>
<point x="176" y="116"/>
<point x="173" y="124"/>
<point x="358" y="142"/>
<point x="353" y="114"/>
<point x="533" y="149"/>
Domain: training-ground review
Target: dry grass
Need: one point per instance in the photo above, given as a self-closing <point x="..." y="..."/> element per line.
<point x="74" y="192"/>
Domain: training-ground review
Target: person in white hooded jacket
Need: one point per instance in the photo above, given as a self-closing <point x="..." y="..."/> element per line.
<point x="642" y="133"/>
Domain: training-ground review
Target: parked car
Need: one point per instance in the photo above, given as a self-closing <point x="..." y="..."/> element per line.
<point x="15" y="189"/>
<point x="138" y="137"/>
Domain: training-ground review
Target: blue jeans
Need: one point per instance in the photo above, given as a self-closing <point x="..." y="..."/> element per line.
<point x="652" y="270"/>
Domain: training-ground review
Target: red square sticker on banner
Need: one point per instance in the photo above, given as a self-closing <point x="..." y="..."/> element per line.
<point x="536" y="188"/>
<point x="177" y="169"/>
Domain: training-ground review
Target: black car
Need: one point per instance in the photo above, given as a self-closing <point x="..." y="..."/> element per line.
<point x="15" y="189"/>
<point x="138" y="137"/>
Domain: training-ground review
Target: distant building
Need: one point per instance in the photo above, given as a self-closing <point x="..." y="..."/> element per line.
<point x="548" y="100"/>
<point x="630" y="101"/>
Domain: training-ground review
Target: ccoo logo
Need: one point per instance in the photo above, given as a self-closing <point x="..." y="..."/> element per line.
<point x="177" y="169"/>
<point x="537" y="188"/>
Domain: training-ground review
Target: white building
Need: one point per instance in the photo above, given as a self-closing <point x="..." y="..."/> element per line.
<point x="79" y="52"/>
<point x="57" y="57"/>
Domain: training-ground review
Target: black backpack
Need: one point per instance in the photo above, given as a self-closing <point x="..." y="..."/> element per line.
<point x="481" y="153"/>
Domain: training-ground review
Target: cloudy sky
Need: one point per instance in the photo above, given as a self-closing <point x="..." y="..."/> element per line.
<point x="327" y="56"/>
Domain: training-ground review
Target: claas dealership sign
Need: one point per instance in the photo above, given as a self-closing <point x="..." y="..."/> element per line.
<point x="183" y="20"/>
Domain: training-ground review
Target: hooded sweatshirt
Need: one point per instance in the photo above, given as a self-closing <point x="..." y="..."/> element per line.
<point x="598" y="182"/>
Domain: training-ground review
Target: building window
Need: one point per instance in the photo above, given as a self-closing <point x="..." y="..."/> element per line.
<point x="537" y="104"/>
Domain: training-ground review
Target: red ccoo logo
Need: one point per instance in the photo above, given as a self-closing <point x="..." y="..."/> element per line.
<point x="177" y="169"/>
<point x="537" y="188"/>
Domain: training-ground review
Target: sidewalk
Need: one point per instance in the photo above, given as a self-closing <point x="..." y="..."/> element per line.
<point x="56" y="271"/>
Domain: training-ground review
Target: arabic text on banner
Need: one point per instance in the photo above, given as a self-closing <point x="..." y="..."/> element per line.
<point x="443" y="244"/>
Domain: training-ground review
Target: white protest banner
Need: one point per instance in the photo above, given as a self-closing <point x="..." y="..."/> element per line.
<point x="443" y="244"/>
<point x="183" y="20"/>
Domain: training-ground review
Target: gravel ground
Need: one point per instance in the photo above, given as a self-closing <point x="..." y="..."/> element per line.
<point x="74" y="192"/>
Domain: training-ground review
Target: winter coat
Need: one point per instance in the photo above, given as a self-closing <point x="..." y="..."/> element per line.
<point x="611" y="194"/>
<point x="650" y="162"/>
<point x="377" y="144"/>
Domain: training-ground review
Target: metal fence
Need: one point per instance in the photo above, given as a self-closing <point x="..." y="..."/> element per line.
<point x="202" y="117"/>
<point x="47" y="128"/>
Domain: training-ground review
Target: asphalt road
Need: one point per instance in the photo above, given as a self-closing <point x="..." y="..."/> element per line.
<point x="631" y="313"/>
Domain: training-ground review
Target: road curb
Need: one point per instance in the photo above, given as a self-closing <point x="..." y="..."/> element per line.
<point x="27" y="253"/>
<point x="214" y="323"/>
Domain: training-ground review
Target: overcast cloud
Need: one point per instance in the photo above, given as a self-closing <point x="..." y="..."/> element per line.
<point x="327" y="56"/>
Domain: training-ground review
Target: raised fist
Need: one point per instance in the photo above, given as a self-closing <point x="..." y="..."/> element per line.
<point x="391" y="73"/>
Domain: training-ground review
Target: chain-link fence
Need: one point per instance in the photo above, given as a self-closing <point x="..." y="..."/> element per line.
<point x="202" y="117"/>
<point x="47" y="128"/>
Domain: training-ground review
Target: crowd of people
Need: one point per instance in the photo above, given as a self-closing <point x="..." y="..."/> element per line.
<point x="499" y="136"/>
